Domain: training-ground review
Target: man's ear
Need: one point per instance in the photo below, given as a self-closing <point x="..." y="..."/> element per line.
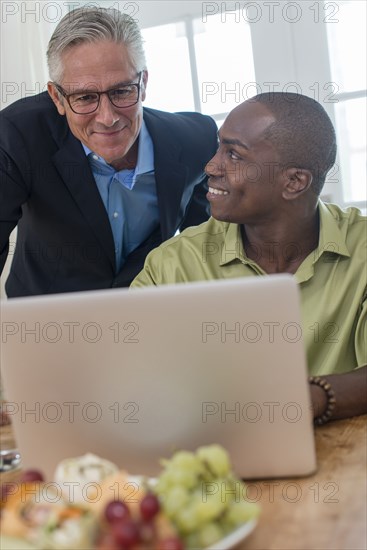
<point x="144" y="82"/>
<point x="54" y="94"/>
<point x="297" y="182"/>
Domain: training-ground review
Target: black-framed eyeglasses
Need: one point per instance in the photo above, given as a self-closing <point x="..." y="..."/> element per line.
<point x="85" y="103"/>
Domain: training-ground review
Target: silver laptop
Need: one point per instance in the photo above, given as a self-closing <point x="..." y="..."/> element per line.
<point x="134" y="375"/>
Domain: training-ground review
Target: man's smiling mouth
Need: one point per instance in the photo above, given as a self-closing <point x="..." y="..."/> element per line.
<point x="214" y="191"/>
<point x="109" y="133"/>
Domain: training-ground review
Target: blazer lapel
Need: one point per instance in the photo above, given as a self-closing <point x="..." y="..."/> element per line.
<point x="74" y="169"/>
<point x="170" y="174"/>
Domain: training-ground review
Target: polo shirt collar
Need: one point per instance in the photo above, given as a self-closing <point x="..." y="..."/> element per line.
<point x="331" y="240"/>
<point x="331" y="237"/>
<point x="233" y="245"/>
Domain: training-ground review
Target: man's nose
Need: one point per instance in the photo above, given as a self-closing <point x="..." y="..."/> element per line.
<point x="214" y="166"/>
<point x="106" y="113"/>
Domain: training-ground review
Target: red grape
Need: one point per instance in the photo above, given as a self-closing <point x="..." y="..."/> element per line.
<point x="31" y="475"/>
<point x="172" y="543"/>
<point x="116" y="511"/>
<point x="149" y="507"/>
<point x="126" y="534"/>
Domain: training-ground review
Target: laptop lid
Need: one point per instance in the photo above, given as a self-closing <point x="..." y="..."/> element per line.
<point x="134" y="375"/>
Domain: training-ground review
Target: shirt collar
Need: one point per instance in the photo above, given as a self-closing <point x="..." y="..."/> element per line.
<point x="331" y="237"/>
<point x="145" y="161"/>
<point x="233" y="246"/>
<point x="331" y="240"/>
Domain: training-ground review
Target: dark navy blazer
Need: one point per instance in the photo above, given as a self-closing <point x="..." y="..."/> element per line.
<point x="47" y="189"/>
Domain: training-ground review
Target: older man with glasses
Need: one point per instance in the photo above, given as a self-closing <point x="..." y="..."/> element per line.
<point x="92" y="180"/>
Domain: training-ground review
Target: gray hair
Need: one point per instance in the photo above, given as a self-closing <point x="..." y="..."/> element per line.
<point x="92" y="24"/>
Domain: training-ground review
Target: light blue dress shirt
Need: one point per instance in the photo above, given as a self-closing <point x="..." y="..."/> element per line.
<point x="129" y="196"/>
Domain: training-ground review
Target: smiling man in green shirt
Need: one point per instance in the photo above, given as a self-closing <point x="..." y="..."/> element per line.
<point x="274" y="153"/>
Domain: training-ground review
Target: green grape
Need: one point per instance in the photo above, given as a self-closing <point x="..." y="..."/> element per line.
<point x="216" y="459"/>
<point x="185" y="478"/>
<point x="240" y="512"/>
<point x="183" y="469"/>
<point x="187" y="519"/>
<point x="192" y="541"/>
<point x="229" y="489"/>
<point x="209" y="507"/>
<point x="175" y="499"/>
<point x="202" y="497"/>
<point x="186" y="461"/>
<point x="162" y="486"/>
<point x="209" y="534"/>
<point x="225" y="526"/>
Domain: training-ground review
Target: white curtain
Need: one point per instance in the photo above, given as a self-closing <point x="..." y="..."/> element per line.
<point x="25" y="29"/>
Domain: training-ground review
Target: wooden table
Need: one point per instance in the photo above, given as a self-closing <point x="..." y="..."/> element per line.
<point x="322" y="512"/>
<point x="325" y="511"/>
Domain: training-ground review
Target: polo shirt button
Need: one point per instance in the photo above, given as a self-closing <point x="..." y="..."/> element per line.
<point x="115" y="214"/>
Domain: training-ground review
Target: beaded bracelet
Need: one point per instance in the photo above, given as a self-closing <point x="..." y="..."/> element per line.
<point x="331" y="401"/>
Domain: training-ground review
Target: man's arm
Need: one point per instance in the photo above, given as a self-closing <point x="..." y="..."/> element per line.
<point x="151" y="274"/>
<point x="13" y="194"/>
<point x="350" y="391"/>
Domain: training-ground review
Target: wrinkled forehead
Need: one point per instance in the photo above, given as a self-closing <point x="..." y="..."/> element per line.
<point x="102" y="63"/>
<point x="247" y="122"/>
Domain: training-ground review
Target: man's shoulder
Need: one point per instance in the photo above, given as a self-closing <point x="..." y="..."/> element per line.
<point x="189" y="120"/>
<point x="184" y="258"/>
<point x="350" y="217"/>
<point x="27" y="105"/>
<point x="32" y="114"/>
<point x="196" y="236"/>
<point x="34" y="121"/>
<point x="345" y="229"/>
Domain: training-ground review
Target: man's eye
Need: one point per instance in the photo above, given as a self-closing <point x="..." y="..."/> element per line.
<point x="233" y="155"/>
<point x="121" y="92"/>
<point x="86" y="98"/>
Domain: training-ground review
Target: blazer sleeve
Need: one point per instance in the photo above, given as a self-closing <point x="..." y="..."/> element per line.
<point x="14" y="190"/>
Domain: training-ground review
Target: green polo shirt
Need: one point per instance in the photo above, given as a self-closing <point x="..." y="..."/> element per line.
<point x="332" y="280"/>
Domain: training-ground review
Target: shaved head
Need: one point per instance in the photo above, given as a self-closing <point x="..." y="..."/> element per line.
<point x="302" y="133"/>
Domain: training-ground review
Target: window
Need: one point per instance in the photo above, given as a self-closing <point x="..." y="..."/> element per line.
<point x="317" y="48"/>
<point x="170" y="77"/>
<point x="197" y="72"/>
<point x="347" y="51"/>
